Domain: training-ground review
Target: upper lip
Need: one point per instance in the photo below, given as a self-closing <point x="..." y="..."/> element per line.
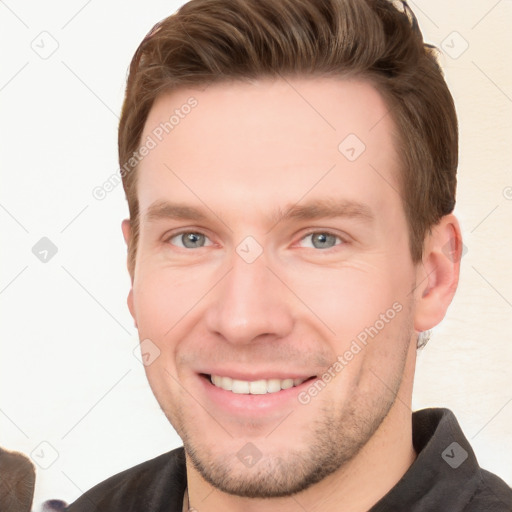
<point x="257" y="375"/>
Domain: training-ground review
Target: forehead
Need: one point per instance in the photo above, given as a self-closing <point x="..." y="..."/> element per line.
<point x="270" y="143"/>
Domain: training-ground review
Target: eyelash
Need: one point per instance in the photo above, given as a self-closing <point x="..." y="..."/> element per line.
<point x="342" y="241"/>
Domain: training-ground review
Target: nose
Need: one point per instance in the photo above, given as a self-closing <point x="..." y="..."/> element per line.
<point x="249" y="304"/>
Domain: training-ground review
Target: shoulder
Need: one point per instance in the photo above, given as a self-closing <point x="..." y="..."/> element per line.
<point x="491" y="494"/>
<point x="151" y="485"/>
<point x="446" y="474"/>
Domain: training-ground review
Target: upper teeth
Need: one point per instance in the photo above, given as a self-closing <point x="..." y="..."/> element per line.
<point x="255" y="387"/>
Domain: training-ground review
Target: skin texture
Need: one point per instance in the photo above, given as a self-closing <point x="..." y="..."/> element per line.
<point x="245" y="154"/>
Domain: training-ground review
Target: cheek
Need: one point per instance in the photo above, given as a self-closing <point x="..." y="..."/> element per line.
<point x="348" y="300"/>
<point x="163" y="298"/>
<point x="162" y="306"/>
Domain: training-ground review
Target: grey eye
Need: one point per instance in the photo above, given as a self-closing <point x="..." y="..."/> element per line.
<point x="323" y="240"/>
<point x="189" y="240"/>
<point x="320" y="240"/>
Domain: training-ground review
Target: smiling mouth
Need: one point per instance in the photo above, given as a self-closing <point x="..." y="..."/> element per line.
<point x="255" y="387"/>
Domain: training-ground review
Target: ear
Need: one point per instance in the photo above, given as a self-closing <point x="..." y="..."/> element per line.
<point x="437" y="276"/>
<point x="127" y="233"/>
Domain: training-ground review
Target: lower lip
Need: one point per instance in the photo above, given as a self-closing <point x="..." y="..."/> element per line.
<point x="241" y="404"/>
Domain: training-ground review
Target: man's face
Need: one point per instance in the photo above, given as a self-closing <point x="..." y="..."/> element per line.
<point x="273" y="244"/>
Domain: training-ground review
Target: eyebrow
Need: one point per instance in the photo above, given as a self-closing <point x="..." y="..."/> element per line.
<point x="166" y="210"/>
<point x="318" y="209"/>
<point x="325" y="208"/>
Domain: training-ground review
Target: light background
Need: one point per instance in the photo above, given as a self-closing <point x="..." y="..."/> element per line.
<point x="68" y="376"/>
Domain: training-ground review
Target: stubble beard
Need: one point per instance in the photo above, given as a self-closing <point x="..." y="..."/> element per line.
<point x="335" y="438"/>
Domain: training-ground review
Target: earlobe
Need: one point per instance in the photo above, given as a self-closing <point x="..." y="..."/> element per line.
<point x="126" y="228"/>
<point x="438" y="274"/>
<point x="127" y="234"/>
<point x="131" y="308"/>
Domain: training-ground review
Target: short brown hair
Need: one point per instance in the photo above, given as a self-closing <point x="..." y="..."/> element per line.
<point x="209" y="41"/>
